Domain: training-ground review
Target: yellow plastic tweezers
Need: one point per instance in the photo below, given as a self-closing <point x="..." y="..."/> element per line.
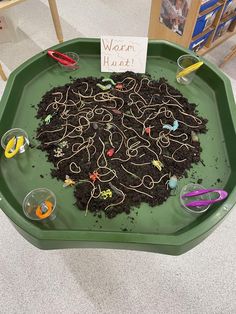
<point x="189" y="69"/>
<point x="13" y="146"/>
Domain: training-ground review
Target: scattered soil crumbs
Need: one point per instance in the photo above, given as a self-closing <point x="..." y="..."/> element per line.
<point x="121" y="146"/>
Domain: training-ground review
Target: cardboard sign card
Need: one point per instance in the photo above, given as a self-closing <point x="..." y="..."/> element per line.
<point x="120" y="54"/>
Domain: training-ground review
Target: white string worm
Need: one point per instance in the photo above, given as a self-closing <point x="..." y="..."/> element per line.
<point x="92" y="196"/>
<point x="73" y="164"/>
<point x="116" y="204"/>
<point x="142" y="164"/>
<point x="129" y="188"/>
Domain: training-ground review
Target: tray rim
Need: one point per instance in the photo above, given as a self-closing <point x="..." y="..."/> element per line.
<point x="181" y="239"/>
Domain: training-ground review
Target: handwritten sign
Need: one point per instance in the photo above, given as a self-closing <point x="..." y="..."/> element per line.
<point x="120" y="54"/>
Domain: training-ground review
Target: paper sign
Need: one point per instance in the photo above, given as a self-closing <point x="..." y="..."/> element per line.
<point x="120" y="54"/>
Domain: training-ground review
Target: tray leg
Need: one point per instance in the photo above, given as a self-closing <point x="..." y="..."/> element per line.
<point x="2" y="74"/>
<point x="56" y="19"/>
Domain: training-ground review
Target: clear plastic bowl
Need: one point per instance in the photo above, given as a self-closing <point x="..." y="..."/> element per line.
<point x="39" y="198"/>
<point x="73" y="67"/>
<point x="189" y="188"/>
<point x="15" y="133"/>
<point x="184" y="62"/>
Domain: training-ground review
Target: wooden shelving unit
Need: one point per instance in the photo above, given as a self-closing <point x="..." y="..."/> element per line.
<point x="212" y="8"/>
<point x="226" y="18"/>
<point x="158" y="30"/>
<point x="216" y="43"/>
<point x="206" y="31"/>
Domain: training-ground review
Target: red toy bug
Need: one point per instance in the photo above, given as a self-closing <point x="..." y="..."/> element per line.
<point x="119" y="86"/>
<point x="148" y="130"/>
<point x="110" y="152"/>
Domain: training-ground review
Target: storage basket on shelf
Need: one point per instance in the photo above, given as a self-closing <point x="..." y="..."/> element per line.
<point x="207" y="4"/>
<point x="199" y="43"/>
<point x="205" y="21"/>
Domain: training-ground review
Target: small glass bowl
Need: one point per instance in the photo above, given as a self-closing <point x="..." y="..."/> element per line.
<point x="15" y="133"/>
<point x="73" y="67"/>
<point x="184" y="62"/>
<point x="189" y="188"/>
<point x="38" y="199"/>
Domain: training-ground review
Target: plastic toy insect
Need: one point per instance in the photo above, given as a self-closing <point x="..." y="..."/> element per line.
<point x="119" y="86"/>
<point x="63" y="144"/>
<point x="68" y="182"/>
<point x="94" y="176"/>
<point x="44" y="208"/>
<point x="48" y="118"/>
<point x="171" y="128"/>
<point x="173" y="182"/>
<point x="109" y="126"/>
<point x="158" y="164"/>
<point x="104" y="87"/>
<point x="110" y="152"/>
<point x="106" y="194"/>
<point x="194" y="137"/>
<point x="148" y="130"/>
<point x="58" y="152"/>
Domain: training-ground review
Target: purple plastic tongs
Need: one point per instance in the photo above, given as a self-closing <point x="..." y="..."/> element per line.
<point x="222" y="195"/>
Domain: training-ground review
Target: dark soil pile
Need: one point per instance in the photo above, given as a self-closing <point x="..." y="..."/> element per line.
<point x="121" y="146"/>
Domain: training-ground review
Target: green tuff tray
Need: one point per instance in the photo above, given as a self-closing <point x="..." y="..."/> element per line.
<point x="164" y="229"/>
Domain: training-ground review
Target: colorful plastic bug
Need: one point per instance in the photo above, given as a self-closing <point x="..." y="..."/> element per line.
<point x="148" y="130"/>
<point x="194" y="137"/>
<point x="58" y="152"/>
<point x="94" y="176"/>
<point x="44" y="208"/>
<point x="158" y="164"/>
<point x="110" y="152"/>
<point x="48" y="118"/>
<point x="109" y="126"/>
<point x="68" y="182"/>
<point x="63" y="144"/>
<point x="119" y="86"/>
<point x="106" y="194"/>
<point x="173" y="182"/>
